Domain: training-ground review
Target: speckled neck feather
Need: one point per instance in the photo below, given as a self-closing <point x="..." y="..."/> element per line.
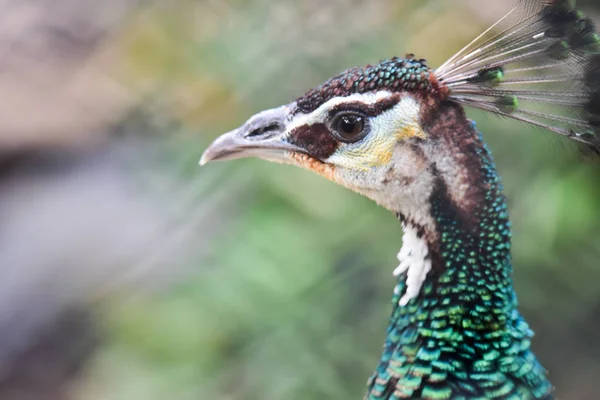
<point x="462" y="337"/>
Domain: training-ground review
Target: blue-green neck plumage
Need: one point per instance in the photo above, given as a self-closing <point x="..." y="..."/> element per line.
<point x="462" y="337"/>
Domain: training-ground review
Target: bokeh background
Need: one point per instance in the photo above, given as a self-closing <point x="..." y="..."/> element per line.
<point x="127" y="272"/>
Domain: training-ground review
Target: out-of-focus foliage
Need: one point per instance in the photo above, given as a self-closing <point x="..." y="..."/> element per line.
<point x="283" y="292"/>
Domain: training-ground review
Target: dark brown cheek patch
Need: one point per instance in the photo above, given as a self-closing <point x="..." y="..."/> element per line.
<point x="315" y="139"/>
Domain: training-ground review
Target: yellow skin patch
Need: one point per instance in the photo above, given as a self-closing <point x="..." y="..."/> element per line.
<point x="410" y="131"/>
<point x="384" y="155"/>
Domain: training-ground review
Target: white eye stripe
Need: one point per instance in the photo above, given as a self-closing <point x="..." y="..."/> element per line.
<point x="321" y="113"/>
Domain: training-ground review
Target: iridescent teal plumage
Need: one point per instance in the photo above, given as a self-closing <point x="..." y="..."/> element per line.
<point x="408" y="74"/>
<point x="463" y="338"/>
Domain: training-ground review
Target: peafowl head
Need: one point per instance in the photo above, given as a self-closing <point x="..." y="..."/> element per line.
<point x="367" y="129"/>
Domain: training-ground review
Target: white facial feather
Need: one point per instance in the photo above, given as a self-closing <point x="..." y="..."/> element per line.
<point x="320" y="114"/>
<point x="414" y="260"/>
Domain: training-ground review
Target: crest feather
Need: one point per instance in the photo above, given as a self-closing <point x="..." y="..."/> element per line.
<point x="540" y="64"/>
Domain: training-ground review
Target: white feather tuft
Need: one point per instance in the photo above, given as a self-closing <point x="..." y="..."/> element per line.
<point x="414" y="261"/>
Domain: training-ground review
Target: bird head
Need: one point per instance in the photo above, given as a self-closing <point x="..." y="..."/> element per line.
<point x="363" y="129"/>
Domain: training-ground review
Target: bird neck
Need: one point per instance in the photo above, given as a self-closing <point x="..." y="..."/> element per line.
<point x="469" y="252"/>
<point x="456" y="250"/>
<point x="468" y="271"/>
<point x="453" y="337"/>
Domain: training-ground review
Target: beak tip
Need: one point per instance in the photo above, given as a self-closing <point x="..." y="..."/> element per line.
<point x="236" y="144"/>
<point x="203" y="160"/>
<point x="206" y="158"/>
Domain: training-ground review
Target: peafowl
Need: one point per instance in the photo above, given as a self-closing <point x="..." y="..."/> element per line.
<point x="396" y="132"/>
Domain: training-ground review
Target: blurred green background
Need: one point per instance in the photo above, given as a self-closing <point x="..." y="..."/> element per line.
<point x="258" y="281"/>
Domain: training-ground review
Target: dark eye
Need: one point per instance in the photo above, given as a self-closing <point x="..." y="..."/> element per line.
<point x="350" y="127"/>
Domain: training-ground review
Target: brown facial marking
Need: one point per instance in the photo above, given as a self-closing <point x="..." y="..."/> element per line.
<point x="371" y="110"/>
<point x="315" y="139"/>
<point x="323" y="169"/>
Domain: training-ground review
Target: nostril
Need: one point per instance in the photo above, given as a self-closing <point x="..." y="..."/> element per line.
<point x="261" y="131"/>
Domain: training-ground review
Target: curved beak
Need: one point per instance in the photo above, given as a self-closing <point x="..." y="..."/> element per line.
<point x="263" y="136"/>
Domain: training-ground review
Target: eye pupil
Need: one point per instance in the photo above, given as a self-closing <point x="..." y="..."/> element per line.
<point x="350" y="127"/>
